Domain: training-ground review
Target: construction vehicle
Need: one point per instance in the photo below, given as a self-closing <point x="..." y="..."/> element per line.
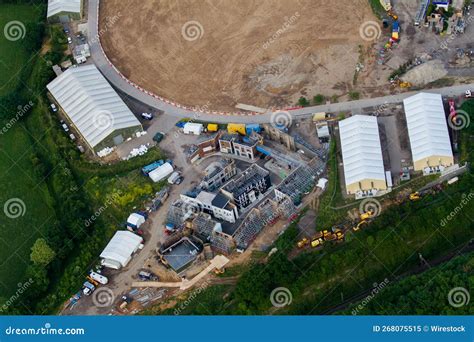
<point x="326" y="234"/>
<point x="359" y="225"/>
<point x="339" y="235"/>
<point x="317" y="242"/>
<point x="367" y="215"/>
<point x="405" y="85"/>
<point x="415" y="196"/>
<point x="219" y="270"/>
<point x="304" y="242"/>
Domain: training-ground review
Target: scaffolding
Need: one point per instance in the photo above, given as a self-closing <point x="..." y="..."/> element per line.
<point x="221" y="243"/>
<point x="248" y="230"/>
<point x="203" y="226"/>
<point x="178" y="213"/>
<point x="302" y="180"/>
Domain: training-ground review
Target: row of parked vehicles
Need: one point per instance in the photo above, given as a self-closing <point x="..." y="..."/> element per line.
<point x="94" y="279"/>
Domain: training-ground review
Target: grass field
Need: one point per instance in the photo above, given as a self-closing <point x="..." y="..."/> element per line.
<point x="18" y="180"/>
<point x="13" y="56"/>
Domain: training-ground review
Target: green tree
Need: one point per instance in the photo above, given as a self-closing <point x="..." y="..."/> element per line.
<point x="41" y="253"/>
<point x="303" y="101"/>
<point x="318" y="99"/>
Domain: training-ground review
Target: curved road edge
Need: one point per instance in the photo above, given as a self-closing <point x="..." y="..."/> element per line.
<point x="114" y="77"/>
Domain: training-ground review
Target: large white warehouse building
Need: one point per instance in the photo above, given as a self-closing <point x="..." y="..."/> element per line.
<point x="428" y="132"/>
<point x="362" y="154"/>
<point x="93" y="107"/>
<point x="64" y="10"/>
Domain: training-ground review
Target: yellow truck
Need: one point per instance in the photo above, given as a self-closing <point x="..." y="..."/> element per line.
<point x="236" y="128"/>
<point x="212" y="127"/>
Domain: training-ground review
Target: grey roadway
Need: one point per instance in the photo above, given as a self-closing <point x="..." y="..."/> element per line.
<point x="114" y="78"/>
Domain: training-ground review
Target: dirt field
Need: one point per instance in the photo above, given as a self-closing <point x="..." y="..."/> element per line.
<point x="258" y="52"/>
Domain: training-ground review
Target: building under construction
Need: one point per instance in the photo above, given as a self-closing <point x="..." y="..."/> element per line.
<point x="301" y="181"/>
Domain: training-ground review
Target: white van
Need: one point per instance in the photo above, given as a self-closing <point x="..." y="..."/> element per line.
<point x="99" y="278"/>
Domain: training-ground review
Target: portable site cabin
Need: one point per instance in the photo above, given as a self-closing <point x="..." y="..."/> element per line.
<point x="119" y="250"/>
<point x="135" y="220"/>
<point x="193" y="128"/>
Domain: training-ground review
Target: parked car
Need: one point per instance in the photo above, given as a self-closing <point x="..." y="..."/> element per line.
<point x="69" y="40"/>
<point x="147" y="116"/>
<point x="65" y="127"/>
<point x="72" y="137"/>
<point x="53" y="107"/>
<point x="66" y="30"/>
<point x="179" y="180"/>
<point x="146" y="275"/>
<point x="468" y="94"/>
<point x="158" y="137"/>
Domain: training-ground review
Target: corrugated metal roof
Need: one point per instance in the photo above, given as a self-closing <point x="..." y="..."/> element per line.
<point x="91" y="103"/>
<point x="58" y="6"/>
<point x="427" y="127"/>
<point x="361" y="149"/>
<point x="122" y="245"/>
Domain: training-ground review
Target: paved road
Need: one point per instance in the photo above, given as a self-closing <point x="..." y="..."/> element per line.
<point x="111" y="74"/>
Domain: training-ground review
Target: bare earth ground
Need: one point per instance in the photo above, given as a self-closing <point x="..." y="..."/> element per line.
<point x="259" y="52"/>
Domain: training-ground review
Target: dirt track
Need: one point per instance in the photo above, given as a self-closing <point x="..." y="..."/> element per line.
<point x="259" y="52"/>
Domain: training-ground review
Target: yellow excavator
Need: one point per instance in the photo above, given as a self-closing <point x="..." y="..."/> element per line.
<point x="367" y="215"/>
<point x="359" y="225"/>
<point x="303" y="243"/>
<point x="415" y="196"/>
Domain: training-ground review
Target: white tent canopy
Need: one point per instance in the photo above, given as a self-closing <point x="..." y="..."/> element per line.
<point x="91" y="103"/>
<point x="427" y="126"/>
<point x="361" y="149"/>
<point x="59" y="6"/>
<point x="120" y="249"/>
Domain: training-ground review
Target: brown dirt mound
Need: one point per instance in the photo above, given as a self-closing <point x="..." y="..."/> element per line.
<point x="217" y="53"/>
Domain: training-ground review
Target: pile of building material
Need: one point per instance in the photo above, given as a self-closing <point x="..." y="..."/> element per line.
<point x="425" y="73"/>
